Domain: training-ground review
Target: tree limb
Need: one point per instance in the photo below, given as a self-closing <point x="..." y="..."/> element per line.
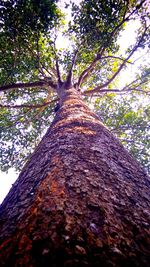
<point x="128" y="17"/>
<point x="27" y="85"/>
<point x="137" y="79"/>
<point x="69" y="77"/>
<point x="57" y="65"/>
<point x="51" y="71"/>
<point x="58" y="72"/>
<point x="115" y="58"/>
<point x="115" y="91"/>
<point x="90" y="68"/>
<point x="28" y="105"/>
<point x="98" y="88"/>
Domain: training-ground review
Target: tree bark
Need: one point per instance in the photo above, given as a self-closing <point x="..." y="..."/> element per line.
<point x="81" y="200"/>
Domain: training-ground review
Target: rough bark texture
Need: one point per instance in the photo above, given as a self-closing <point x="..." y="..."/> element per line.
<point x="81" y="200"/>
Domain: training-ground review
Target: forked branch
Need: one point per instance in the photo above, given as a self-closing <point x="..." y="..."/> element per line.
<point x="85" y="74"/>
<point x="88" y="70"/>
<point x="98" y="88"/>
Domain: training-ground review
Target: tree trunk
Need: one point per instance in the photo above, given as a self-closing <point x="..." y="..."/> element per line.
<point x="81" y="200"/>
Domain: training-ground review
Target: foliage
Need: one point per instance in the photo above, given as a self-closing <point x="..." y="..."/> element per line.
<point x="129" y="118"/>
<point x="33" y="65"/>
<point x="21" y="130"/>
<point x="24" y="25"/>
<point x="94" y="21"/>
<point x="22" y="18"/>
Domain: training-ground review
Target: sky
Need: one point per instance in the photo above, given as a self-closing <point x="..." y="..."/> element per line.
<point x="126" y="39"/>
<point x="6" y="181"/>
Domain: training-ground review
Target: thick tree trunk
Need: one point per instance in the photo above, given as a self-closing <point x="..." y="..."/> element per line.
<point x="81" y="200"/>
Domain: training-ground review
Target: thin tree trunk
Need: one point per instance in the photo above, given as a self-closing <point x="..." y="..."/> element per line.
<point x="81" y="200"/>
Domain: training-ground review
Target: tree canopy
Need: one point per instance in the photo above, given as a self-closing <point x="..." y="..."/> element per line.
<point x="34" y="64"/>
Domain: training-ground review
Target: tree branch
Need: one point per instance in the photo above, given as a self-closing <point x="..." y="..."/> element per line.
<point x="88" y="70"/>
<point x="128" y="17"/>
<point x="51" y="71"/>
<point x="85" y="74"/>
<point x="98" y="88"/>
<point x="27" y="85"/>
<point x="58" y="72"/>
<point x="115" y="91"/>
<point x="57" y="64"/>
<point x="69" y="77"/>
<point x="28" y="105"/>
<point x="116" y="58"/>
